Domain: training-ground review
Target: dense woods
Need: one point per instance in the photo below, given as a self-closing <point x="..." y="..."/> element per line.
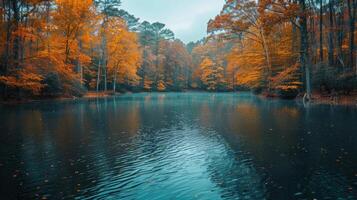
<point x="287" y="47"/>
<point x="57" y="48"/>
<point x="68" y="47"/>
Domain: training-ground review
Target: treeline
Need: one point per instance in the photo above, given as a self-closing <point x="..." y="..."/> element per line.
<point x="67" y="47"/>
<point x="287" y="47"/>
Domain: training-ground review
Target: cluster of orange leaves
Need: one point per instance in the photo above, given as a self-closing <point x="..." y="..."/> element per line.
<point x="64" y="39"/>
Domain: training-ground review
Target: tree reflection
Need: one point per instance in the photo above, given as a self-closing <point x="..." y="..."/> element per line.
<point x="190" y="145"/>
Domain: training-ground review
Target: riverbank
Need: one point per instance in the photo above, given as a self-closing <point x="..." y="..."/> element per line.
<point x="318" y="98"/>
<point x="91" y="95"/>
<point x="349" y="100"/>
<point x="88" y="95"/>
<point x="338" y="98"/>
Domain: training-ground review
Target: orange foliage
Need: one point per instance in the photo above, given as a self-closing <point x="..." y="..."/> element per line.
<point x="161" y="86"/>
<point x="212" y="75"/>
<point x="24" y="79"/>
<point x="124" y="55"/>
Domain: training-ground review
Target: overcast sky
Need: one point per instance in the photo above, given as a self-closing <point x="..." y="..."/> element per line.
<point x="186" y="18"/>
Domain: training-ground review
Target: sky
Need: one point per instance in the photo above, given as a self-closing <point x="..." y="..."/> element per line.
<point x="186" y="18"/>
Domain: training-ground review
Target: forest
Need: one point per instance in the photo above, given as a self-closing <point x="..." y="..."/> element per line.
<point x="67" y="48"/>
<point x="178" y="99"/>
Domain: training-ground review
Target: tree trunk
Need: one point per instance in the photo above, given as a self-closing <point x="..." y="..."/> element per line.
<point x="16" y="43"/>
<point x="157" y="61"/>
<point x="304" y="55"/>
<point x="267" y="58"/>
<point x="321" y="34"/>
<point x="330" y="34"/>
<point x="115" y="79"/>
<point x="79" y="66"/>
<point x="67" y="50"/>
<point x="104" y="52"/>
<point x="340" y="25"/>
<point x="8" y="40"/>
<point x="105" y="79"/>
<point x="98" y="75"/>
<point x="313" y="41"/>
<point x="351" y="5"/>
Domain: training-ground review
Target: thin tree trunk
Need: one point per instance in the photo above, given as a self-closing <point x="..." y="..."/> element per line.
<point x="313" y="41"/>
<point x="79" y="66"/>
<point x="330" y="34"/>
<point x="105" y="79"/>
<point x="267" y="58"/>
<point x="115" y="79"/>
<point x="340" y="36"/>
<point x="104" y="52"/>
<point x="67" y="49"/>
<point x="8" y="39"/>
<point x="7" y="45"/>
<point x="98" y="75"/>
<point x="321" y="34"/>
<point x="157" y="61"/>
<point x="16" y="43"/>
<point x="351" y="5"/>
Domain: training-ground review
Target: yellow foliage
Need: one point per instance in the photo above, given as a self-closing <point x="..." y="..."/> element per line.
<point x="248" y="64"/>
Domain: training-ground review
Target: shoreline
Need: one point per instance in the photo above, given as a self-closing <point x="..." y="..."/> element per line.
<point x="88" y="95"/>
<point x="318" y="99"/>
<point x="94" y="95"/>
<point x="344" y="100"/>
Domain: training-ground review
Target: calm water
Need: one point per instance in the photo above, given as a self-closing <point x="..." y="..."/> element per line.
<point x="178" y="146"/>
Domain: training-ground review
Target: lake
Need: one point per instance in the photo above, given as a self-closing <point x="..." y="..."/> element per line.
<point x="178" y="146"/>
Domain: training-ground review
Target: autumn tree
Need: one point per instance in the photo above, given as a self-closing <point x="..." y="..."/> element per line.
<point x="155" y="39"/>
<point x="335" y="46"/>
<point x="261" y="27"/>
<point x="148" y="68"/>
<point x="107" y="9"/>
<point x="211" y="75"/>
<point x="216" y="49"/>
<point x="19" y="20"/>
<point x="123" y="53"/>
<point x="51" y="47"/>
<point x="239" y="18"/>
<point x="174" y="65"/>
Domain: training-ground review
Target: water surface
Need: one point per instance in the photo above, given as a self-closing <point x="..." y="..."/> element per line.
<point x="178" y="146"/>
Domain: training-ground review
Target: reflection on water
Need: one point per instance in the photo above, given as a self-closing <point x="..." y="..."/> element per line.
<point x="178" y="146"/>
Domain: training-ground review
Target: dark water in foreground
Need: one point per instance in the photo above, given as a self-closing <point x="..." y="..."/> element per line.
<point x="178" y="146"/>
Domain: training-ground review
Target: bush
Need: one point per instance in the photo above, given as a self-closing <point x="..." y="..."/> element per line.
<point x="53" y="85"/>
<point x="288" y="94"/>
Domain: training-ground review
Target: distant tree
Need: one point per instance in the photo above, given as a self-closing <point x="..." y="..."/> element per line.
<point x="107" y="9"/>
<point x="131" y="21"/>
<point x="212" y="75"/>
<point x="123" y="53"/>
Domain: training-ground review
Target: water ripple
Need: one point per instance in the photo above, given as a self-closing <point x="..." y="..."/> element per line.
<point x="179" y="146"/>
